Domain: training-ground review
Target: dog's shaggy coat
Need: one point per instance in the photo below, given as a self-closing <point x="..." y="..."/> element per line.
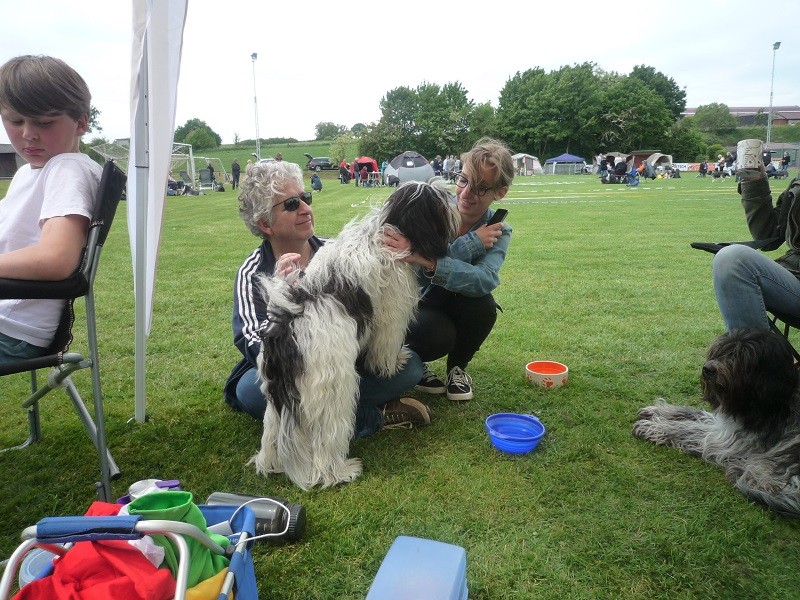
<point x="350" y="307"/>
<point x="753" y="432"/>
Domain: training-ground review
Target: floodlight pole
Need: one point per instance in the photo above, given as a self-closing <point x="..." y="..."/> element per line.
<point x="775" y="47"/>
<point x="253" y="57"/>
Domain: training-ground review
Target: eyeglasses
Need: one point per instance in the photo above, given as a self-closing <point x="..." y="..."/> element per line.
<point x="293" y="203"/>
<point x="480" y="192"/>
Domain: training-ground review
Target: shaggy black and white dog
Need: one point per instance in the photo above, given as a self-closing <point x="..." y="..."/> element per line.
<point x="753" y="431"/>
<point x="352" y="305"/>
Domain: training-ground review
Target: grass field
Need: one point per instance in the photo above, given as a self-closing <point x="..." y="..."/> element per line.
<point x="600" y="277"/>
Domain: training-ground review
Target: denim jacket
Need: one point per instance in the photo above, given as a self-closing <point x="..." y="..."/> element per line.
<point x="469" y="268"/>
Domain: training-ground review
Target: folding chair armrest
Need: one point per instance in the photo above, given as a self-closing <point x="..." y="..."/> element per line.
<point x="30" y="364"/>
<point x="74" y="286"/>
<point x="58" y="530"/>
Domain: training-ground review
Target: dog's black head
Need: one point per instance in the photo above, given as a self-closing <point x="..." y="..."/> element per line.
<point x="750" y="375"/>
<point x="424" y="214"/>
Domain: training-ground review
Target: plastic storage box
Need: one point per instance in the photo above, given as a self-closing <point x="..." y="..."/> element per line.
<point x="421" y="569"/>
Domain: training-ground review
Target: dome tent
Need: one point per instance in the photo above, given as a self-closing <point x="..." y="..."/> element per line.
<point x="409" y="166"/>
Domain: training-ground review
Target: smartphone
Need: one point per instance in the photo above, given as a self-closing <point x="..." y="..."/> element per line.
<point x="498" y="217"/>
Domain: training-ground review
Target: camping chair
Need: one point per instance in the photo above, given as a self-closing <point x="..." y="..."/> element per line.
<point x="783" y="324"/>
<point x="206" y="183"/>
<point x="63" y="363"/>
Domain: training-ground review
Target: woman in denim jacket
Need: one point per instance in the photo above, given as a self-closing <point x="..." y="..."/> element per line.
<point x="457" y="310"/>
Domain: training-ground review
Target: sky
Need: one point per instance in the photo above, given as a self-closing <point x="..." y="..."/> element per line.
<point x="320" y="63"/>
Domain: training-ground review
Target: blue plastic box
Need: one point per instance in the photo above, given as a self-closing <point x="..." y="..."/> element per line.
<point x="421" y="569"/>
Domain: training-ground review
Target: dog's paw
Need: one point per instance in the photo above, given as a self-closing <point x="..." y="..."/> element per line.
<point x="266" y="463"/>
<point x="348" y="471"/>
<point x="642" y="428"/>
<point x="646" y="412"/>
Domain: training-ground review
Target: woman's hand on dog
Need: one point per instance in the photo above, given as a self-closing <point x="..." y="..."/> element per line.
<point x="398" y="243"/>
<point x="288" y="263"/>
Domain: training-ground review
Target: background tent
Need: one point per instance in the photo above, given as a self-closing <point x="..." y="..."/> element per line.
<point x="564" y="164"/>
<point x="526" y="164"/>
<point x="659" y="160"/>
<point x="364" y="161"/>
<point x="409" y="166"/>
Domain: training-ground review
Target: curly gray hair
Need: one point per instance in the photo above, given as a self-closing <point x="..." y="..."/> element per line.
<point x="262" y="182"/>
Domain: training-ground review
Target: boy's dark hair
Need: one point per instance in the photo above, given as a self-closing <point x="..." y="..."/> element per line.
<point x="36" y="86"/>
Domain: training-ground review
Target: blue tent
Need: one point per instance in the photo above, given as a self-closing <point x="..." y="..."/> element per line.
<point x="570" y="164"/>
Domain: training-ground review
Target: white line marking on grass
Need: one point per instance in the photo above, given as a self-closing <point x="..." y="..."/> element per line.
<point x="559" y="200"/>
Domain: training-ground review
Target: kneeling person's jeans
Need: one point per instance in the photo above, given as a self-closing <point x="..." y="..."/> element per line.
<point x="374" y="393"/>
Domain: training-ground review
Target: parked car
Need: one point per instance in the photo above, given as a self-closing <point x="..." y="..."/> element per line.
<point x="320" y="163"/>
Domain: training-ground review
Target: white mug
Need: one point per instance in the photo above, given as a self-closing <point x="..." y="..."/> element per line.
<point x="748" y="155"/>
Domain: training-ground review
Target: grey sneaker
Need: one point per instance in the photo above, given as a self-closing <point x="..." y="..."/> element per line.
<point x="430" y="383"/>
<point x="459" y="385"/>
<point x="404" y="413"/>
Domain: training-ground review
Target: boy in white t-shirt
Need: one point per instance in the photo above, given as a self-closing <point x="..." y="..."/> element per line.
<point x="44" y="218"/>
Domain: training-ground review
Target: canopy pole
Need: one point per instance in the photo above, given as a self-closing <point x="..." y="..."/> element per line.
<point x="142" y="159"/>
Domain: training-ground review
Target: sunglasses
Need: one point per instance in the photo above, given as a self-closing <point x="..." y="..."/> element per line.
<point x="293" y="203"/>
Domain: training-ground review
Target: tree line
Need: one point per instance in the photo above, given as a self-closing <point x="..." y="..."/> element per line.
<point x="580" y="109"/>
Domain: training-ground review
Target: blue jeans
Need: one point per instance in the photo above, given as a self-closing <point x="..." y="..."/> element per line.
<point x="748" y="283"/>
<point x="374" y="393"/>
<point x="12" y="350"/>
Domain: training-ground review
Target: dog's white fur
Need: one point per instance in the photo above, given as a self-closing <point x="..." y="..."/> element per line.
<point x="307" y="432"/>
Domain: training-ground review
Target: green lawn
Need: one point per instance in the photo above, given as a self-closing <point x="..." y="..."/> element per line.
<point x="600" y="277"/>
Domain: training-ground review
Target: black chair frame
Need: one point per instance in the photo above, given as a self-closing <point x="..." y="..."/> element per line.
<point x="783" y="324"/>
<point x="64" y="363"/>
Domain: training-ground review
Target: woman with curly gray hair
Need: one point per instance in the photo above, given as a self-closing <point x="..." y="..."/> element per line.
<point x="274" y="207"/>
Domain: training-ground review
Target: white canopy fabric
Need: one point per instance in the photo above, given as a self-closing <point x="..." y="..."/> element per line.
<point x="155" y="67"/>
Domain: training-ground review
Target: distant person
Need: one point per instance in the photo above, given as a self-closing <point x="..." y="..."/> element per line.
<point x="210" y="168"/>
<point x="384" y="166"/>
<point x="316" y="183"/>
<point x="279" y="157"/>
<point x="437" y="165"/>
<point x="703" y="169"/>
<point x="364" y="174"/>
<point x="45" y="216"/>
<point x="172" y="185"/>
<point x="235" y="172"/>
<point x="785" y="161"/>
<point x="729" y="160"/>
<point x="344" y="172"/>
<point x="447" y="167"/>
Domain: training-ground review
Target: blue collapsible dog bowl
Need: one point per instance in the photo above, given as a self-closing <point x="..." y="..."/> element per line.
<point x="513" y="433"/>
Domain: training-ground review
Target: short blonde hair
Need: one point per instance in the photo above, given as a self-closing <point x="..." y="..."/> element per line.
<point x="492" y="154"/>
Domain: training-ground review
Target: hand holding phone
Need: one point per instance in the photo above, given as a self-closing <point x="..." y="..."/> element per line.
<point x="498" y="217"/>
